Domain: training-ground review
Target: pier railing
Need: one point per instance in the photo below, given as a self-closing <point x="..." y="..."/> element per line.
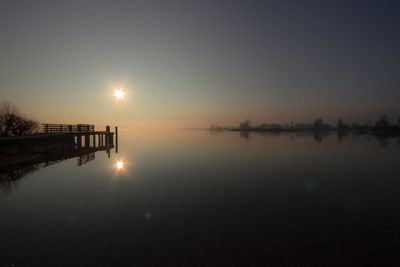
<point x="67" y="128"/>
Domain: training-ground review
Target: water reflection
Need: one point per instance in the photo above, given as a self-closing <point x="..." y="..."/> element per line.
<point x="121" y="167"/>
<point x="245" y="135"/>
<point x="341" y="135"/>
<point x="120" y="164"/>
<point x="241" y="199"/>
<point x="10" y="174"/>
<point x="318" y="136"/>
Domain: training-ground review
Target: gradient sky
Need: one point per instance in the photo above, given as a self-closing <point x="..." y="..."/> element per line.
<point x="193" y="63"/>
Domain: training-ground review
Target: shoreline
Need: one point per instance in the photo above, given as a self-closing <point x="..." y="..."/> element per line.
<point x="359" y="131"/>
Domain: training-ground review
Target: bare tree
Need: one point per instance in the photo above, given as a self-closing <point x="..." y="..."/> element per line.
<point x="317" y="123"/>
<point x="341" y="125"/>
<point x="383" y="122"/>
<point x="245" y="125"/>
<point x="14" y="124"/>
<point x="385" y="117"/>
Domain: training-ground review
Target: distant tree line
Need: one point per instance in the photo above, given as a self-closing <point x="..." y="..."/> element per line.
<point x="384" y="123"/>
<point x="12" y="123"/>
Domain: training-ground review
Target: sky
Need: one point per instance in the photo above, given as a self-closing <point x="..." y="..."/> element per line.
<point x="194" y="63"/>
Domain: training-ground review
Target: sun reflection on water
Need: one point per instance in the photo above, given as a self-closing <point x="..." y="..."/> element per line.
<point x="120" y="164"/>
<point x="121" y="168"/>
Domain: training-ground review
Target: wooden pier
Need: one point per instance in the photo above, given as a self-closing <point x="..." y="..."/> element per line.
<point x="57" y="139"/>
<point x="84" y="135"/>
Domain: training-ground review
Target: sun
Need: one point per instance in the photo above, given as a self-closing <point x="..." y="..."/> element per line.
<point x="119" y="94"/>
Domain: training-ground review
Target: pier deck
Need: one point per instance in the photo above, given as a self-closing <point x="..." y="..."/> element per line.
<point x="56" y="138"/>
<point x="104" y="138"/>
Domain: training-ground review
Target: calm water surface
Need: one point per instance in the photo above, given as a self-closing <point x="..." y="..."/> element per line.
<point x="199" y="198"/>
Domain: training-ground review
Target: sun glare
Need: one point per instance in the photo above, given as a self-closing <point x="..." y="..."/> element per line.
<point x="119" y="94"/>
<point x="120" y="167"/>
<point x="120" y="164"/>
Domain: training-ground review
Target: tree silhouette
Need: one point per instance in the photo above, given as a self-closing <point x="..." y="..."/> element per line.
<point x="14" y="124"/>
<point x="245" y="125"/>
<point x="383" y="122"/>
<point x="385" y="117"/>
<point x="341" y="125"/>
<point x="317" y="123"/>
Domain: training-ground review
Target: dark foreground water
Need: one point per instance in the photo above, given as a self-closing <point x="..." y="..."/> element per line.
<point x="196" y="198"/>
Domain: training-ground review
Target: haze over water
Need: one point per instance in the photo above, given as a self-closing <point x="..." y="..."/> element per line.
<point x="202" y="198"/>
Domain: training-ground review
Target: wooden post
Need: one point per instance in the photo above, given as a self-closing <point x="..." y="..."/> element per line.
<point x="60" y="128"/>
<point x="79" y="140"/>
<point x="116" y="139"/>
<point x="112" y="139"/>
<point x="107" y="136"/>
<point x="87" y="140"/>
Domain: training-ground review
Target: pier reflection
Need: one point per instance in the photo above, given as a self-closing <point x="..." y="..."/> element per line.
<point x="22" y="165"/>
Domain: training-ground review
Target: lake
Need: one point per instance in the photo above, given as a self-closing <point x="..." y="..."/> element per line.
<point x="195" y="198"/>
